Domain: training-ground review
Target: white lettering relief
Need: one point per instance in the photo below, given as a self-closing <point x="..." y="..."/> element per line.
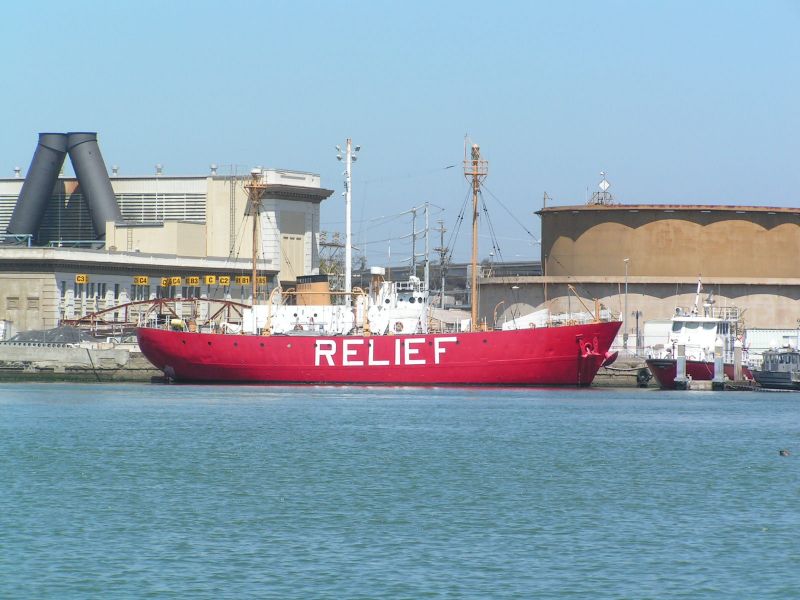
<point x="348" y="352"/>
<point x="328" y="353"/>
<point x="437" y="349"/>
<point x="411" y="351"/>
<point x="397" y="352"/>
<point x="371" y="360"/>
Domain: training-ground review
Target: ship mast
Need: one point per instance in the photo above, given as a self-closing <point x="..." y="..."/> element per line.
<point x="475" y="169"/>
<point x="255" y="190"/>
<point x="351" y="156"/>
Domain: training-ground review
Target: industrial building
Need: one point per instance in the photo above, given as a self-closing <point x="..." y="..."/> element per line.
<point x="643" y="261"/>
<point x="75" y="245"/>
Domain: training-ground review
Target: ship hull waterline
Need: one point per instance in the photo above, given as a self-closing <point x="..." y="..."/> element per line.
<point x="666" y="369"/>
<point x="546" y="356"/>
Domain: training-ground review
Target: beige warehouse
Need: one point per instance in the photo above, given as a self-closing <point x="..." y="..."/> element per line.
<point x="746" y="255"/>
<point x="180" y="227"/>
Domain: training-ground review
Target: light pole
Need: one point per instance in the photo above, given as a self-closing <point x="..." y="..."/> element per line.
<point x="351" y="155"/>
<point x="625" y="314"/>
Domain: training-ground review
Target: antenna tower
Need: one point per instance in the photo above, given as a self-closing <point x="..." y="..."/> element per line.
<point x="603" y="197"/>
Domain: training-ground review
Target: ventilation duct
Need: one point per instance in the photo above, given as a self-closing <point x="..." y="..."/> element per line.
<point x="93" y="180"/>
<point x="37" y="189"/>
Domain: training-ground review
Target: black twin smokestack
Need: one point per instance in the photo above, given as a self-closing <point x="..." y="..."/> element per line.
<point x="42" y="176"/>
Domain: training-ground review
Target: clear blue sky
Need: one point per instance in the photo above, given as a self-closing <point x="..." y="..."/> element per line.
<point x="679" y="102"/>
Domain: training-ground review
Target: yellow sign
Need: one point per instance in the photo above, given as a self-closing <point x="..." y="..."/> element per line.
<point x="261" y="280"/>
<point x="242" y="279"/>
<point x="210" y="279"/>
<point x="174" y="280"/>
<point x="141" y="280"/>
<point x="165" y="282"/>
<point x="192" y="281"/>
<point x="224" y="280"/>
<point x="81" y="278"/>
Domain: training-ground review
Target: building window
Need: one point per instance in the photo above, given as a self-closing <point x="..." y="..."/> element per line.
<point x="116" y="291"/>
<point x="33" y="302"/>
<point x="12" y="303"/>
<point x="63" y="289"/>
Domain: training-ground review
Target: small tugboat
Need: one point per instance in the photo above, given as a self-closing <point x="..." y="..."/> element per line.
<point x="780" y="369"/>
<point x="699" y="335"/>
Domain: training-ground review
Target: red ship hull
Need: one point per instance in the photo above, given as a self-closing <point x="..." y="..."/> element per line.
<point x="568" y="355"/>
<point x="665" y="370"/>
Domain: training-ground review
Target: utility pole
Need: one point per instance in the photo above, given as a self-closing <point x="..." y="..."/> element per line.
<point x="442" y="250"/>
<point x="427" y="269"/>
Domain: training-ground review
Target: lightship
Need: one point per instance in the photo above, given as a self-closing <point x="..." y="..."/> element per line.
<point x="379" y="336"/>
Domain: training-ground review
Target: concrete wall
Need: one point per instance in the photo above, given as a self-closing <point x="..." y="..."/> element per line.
<point x="671" y="241"/>
<point x="290" y="236"/>
<point x="170" y="237"/>
<point x="29" y="300"/>
<point x="228" y="219"/>
<point x="282" y="221"/>
<point x="763" y="304"/>
<point x="39" y="286"/>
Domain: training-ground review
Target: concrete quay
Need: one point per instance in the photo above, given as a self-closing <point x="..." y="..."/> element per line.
<point x="35" y="361"/>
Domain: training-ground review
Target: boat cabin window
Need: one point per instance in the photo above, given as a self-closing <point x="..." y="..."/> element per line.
<point x="677" y="326"/>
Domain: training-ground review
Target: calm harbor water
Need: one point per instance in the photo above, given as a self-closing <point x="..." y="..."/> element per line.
<point x="140" y="491"/>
